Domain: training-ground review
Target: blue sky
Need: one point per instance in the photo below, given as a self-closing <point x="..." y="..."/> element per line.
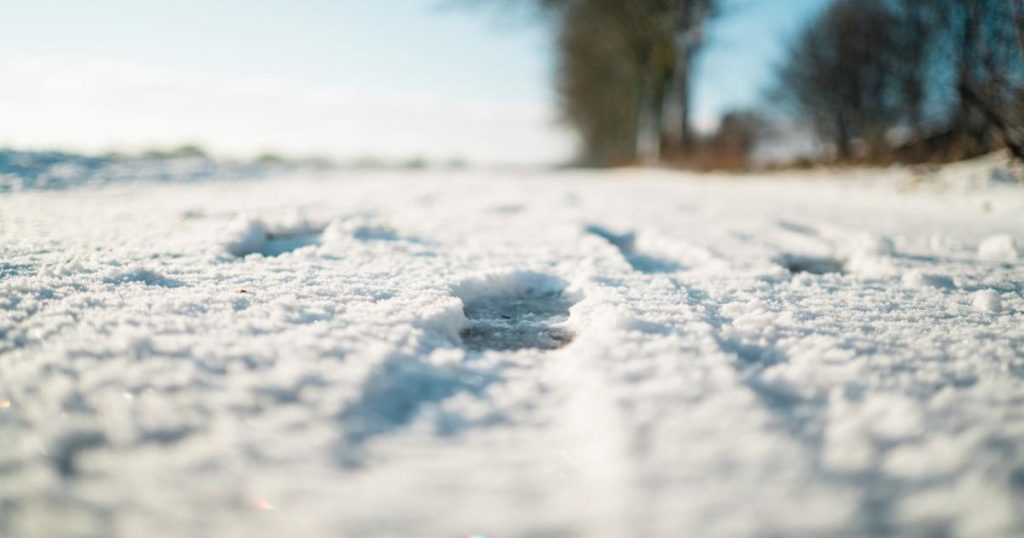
<point x="393" y="78"/>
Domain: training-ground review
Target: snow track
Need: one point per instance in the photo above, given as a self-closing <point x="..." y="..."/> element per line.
<point x="575" y="354"/>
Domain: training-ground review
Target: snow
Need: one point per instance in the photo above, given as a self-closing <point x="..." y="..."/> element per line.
<point x="999" y="247"/>
<point x="34" y="170"/>
<point x="987" y="301"/>
<point x="629" y="353"/>
<point x="916" y="279"/>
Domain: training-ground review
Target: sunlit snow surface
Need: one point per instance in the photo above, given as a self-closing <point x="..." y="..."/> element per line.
<point x="634" y="353"/>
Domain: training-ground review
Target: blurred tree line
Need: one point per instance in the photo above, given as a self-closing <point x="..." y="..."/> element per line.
<point x="910" y="80"/>
<point x="625" y="72"/>
<point x="876" y="80"/>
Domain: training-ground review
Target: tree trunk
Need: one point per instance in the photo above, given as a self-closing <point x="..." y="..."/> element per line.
<point x="648" y="131"/>
<point x="844" y="149"/>
<point x="994" y="118"/>
<point x="683" y="81"/>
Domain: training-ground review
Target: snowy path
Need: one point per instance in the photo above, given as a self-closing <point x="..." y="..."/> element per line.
<point x="572" y="354"/>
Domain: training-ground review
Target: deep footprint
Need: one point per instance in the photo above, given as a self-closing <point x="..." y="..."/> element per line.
<point x="248" y="236"/>
<point x="810" y="264"/>
<point x="278" y="244"/>
<point x="526" y="320"/>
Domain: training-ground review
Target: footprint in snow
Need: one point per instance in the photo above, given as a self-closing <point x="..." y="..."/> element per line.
<point x="527" y="316"/>
<point x="253" y="236"/>
<point x="815" y="265"/>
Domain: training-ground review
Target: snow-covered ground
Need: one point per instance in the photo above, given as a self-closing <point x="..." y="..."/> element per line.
<point x="620" y="354"/>
<point x="54" y="170"/>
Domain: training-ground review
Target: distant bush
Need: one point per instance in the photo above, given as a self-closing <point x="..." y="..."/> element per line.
<point x="730" y="147"/>
<point x="180" y="152"/>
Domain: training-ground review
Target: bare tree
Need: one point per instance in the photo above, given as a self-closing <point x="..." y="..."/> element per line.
<point x="620" y="64"/>
<point x="868" y="68"/>
<point x="986" y="38"/>
<point x="599" y="88"/>
<point x="840" y="75"/>
<point x="915" y="34"/>
<point x="691" y="17"/>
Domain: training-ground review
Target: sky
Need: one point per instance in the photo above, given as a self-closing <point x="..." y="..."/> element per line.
<point x="344" y="78"/>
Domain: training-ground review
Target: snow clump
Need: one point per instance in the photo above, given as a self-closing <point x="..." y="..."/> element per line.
<point x="998" y="248"/>
<point x="987" y="301"/>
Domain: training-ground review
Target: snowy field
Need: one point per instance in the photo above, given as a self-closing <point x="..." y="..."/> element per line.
<point x="586" y="354"/>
